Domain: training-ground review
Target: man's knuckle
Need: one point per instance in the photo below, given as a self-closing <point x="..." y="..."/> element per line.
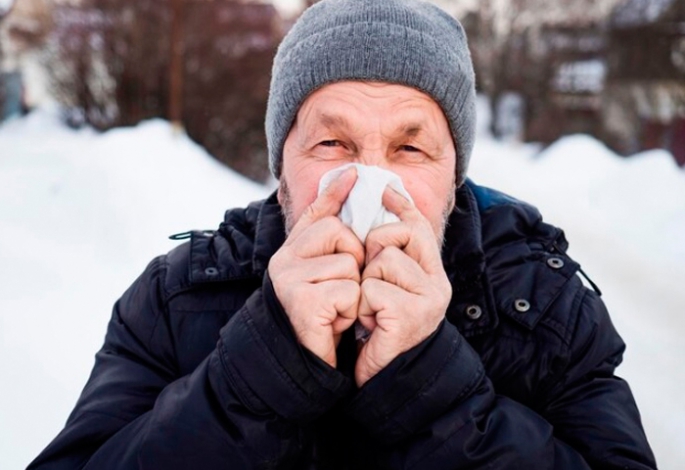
<point x="367" y="283"/>
<point x="355" y="288"/>
<point x="394" y="252"/>
<point x="385" y="256"/>
<point x="349" y="264"/>
<point x="347" y="285"/>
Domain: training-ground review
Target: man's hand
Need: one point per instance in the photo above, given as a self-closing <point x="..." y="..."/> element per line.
<point x="316" y="273"/>
<point x="404" y="292"/>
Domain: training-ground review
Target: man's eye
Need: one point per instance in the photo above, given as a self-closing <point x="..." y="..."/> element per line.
<point x="408" y="148"/>
<point x="330" y="143"/>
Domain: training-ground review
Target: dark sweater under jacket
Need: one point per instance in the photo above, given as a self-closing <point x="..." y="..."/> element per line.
<point x="201" y="370"/>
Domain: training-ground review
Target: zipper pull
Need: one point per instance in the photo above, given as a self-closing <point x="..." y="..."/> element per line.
<point x="181" y="236"/>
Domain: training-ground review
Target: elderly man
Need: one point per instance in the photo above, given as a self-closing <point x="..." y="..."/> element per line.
<point x="454" y="333"/>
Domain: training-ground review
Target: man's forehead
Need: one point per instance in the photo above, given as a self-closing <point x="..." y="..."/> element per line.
<point x="317" y="107"/>
<point x="370" y="88"/>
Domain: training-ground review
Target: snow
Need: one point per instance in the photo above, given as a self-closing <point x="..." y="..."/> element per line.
<point x="289" y="8"/>
<point x="82" y="213"/>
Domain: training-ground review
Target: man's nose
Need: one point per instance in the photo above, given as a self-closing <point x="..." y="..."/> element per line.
<point x="373" y="155"/>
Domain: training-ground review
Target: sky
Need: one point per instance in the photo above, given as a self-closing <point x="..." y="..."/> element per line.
<point x="82" y="214"/>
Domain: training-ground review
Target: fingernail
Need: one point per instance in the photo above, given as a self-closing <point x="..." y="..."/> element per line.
<point x="396" y="192"/>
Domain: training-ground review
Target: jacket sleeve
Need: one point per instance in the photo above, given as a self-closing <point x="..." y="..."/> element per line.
<point x="449" y="416"/>
<point x="248" y="404"/>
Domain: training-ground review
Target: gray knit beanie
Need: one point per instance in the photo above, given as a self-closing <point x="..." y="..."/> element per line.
<point x="408" y="42"/>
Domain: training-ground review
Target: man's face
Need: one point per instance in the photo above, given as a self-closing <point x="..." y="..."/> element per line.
<point x="395" y="127"/>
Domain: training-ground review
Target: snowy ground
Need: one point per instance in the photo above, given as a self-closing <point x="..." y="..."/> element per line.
<point x="81" y="214"/>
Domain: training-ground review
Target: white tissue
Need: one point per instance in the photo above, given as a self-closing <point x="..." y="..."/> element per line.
<point x="363" y="210"/>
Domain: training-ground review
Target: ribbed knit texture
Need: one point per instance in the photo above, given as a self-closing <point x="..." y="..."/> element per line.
<point x="406" y="42"/>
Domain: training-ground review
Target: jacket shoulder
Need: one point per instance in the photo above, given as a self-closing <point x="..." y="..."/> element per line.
<point x="550" y="326"/>
<point x="212" y="256"/>
<point x="525" y="258"/>
<point x="536" y="286"/>
<point x="184" y="297"/>
<point x="505" y="219"/>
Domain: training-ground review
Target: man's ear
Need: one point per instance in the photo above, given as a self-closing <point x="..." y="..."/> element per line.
<point x="280" y="192"/>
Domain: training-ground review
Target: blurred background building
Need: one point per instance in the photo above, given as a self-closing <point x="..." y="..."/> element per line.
<point x="613" y="69"/>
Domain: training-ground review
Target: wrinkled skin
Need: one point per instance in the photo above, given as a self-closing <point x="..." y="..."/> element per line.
<point x="325" y="278"/>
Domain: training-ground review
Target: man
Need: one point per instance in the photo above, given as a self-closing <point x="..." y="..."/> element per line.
<point x="237" y="349"/>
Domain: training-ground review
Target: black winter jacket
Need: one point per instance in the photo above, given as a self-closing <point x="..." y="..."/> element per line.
<point x="200" y="368"/>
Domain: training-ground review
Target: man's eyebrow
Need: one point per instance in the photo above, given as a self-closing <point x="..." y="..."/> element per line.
<point x="411" y="129"/>
<point x="332" y="120"/>
<point x="418" y="129"/>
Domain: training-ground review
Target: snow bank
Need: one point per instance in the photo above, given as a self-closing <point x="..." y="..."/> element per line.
<point x="289" y="8"/>
<point x="82" y="214"/>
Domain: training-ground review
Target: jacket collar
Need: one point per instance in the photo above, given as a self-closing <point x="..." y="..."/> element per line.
<point x="269" y="233"/>
<point x="464" y="262"/>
